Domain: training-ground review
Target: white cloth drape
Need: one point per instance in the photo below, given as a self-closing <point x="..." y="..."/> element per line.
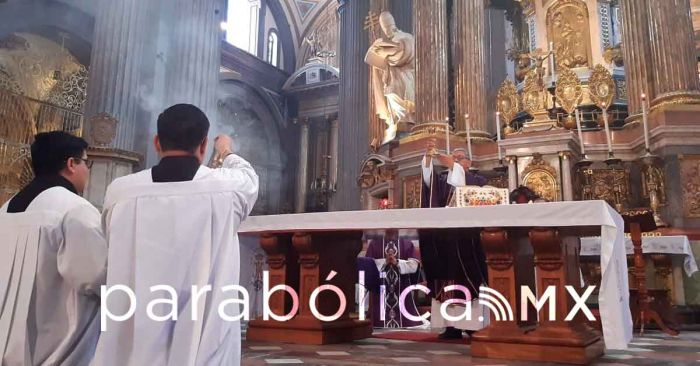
<point x="614" y="290"/>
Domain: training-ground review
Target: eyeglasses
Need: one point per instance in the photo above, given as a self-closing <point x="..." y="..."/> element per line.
<point x="87" y="162"/>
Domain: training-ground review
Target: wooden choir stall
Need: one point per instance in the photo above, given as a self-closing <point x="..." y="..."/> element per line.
<point x="535" y="245"/>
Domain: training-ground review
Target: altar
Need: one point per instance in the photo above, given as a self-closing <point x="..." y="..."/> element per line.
<point x="524" y="245"/>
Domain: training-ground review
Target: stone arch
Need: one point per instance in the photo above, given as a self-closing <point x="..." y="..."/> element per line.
<point x="284" y="31"/>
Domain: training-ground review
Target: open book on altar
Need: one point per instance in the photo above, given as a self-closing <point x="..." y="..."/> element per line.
<point x="479" y="196"/>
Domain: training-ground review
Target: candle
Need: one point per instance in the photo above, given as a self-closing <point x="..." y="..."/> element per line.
<point x="469" y="136"/>
<point x="607" y="130"/>
<point x="498" y="135"/>
<point x="580" y="132"/>
<point x="645" y="119"/>
<point x="551" y="60"/>
<point x="447" y="135"/>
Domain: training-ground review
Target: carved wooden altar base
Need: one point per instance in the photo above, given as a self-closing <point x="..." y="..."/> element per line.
<point x="308" y="331"/>
<point x="304" y="262"/>
<point x="510" y="266"/>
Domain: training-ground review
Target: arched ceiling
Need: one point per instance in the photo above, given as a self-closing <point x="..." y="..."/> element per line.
<point x="302" y="14"/>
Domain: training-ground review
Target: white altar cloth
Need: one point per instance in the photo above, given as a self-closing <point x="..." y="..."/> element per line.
<point x="672" y="244"/>
<point x="616" y="318"/>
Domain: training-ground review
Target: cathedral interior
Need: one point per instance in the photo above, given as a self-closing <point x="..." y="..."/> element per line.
<point x="575" y="99"/>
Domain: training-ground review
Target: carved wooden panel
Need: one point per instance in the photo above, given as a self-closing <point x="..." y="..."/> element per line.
<point x="690" y="181"/>
<point x="411" y="191"/>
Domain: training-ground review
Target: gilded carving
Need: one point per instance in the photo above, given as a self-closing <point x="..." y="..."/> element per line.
<point x="569" y="93"/>
<point x="611" y="185"/>
<point x="508" y="101"/>
<point x="569" y="30"/>
<point x="690" y="180"/>
<point x="9" y="83"/>
<point x="541" y="178"/>
<point x="534" y="96"/>
<point x="15" y="169"/>
<point x="375" y="171"/>
<point x="412" y="191"/>
<point x="601" y="87"/>
<point x="41" y="69"/>
<point x="613" y="55"/>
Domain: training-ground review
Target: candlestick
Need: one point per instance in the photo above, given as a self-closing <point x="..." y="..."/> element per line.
<point x="645" y="119"/>
<point x="447" y="135"/>
<point x="498" y="135"/>
<point x="580" y="132"/>
<point x="607" y="131"/>
<point x="469" y="137"/>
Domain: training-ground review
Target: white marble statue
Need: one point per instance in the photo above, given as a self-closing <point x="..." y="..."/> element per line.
<point x="393" y="85"/>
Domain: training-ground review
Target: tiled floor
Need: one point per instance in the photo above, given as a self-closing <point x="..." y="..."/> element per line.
<point x="652" y="349"/>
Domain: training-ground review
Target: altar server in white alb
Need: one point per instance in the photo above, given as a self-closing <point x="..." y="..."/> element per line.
<point x="175" y="226"/>
<point x="52" y="261"/>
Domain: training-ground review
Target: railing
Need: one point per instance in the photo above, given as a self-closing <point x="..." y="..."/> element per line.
<point x="21" y="118"/>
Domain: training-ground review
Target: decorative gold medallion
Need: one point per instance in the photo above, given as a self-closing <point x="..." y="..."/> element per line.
<point x="601" y="87"/>
<point x="508" y="101"/>
<point x="569" y="94"/>
<point x="533" y="93"/>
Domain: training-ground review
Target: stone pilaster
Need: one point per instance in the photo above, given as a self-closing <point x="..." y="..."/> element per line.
<point x="469" y="63"/>
<point x="353" y="130"/>
<point x="303" y="170"/>
<point x="432" y="94"/>
<point x="637" y="53"/>
<point x="673" y="52"/>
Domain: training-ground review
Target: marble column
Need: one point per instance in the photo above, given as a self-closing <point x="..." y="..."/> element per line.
<point x="512" y="172"/>
<point x="637" y="53"/>
<point x="194" y="56"/>
<point x="566" y="182"/>
<point x="469" y="63"/>
<point x="334" y="152"/>
<point x="115" y="63"/>
<point x="303" y="169"/>
<point x="353" y="109"/>
<point x="673" y="51"/>
<point x="432" y="93"/>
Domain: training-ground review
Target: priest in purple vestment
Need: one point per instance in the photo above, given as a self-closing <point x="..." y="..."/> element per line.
<point x="396" y="269"/>
<point x="451" y="256"/>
